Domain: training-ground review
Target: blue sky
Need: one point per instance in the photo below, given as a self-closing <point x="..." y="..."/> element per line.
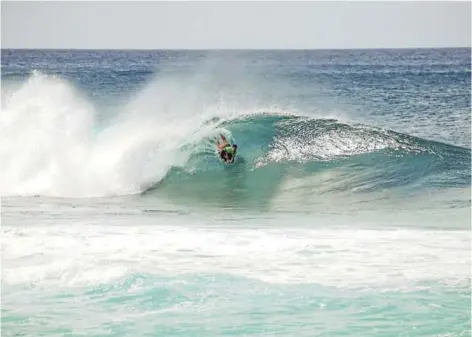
<point x="225" y="24"/>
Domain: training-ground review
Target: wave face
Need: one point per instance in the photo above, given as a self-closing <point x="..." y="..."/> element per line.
<point x="297" y="160"/>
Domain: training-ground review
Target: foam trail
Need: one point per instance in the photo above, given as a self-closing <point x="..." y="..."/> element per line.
<point x="384" y="259"/>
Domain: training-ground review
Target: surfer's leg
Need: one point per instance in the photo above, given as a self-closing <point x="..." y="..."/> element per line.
<point x="219" y="146"/>
<point x="225" y="142"/>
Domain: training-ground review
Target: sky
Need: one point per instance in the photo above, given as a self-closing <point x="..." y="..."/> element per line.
<point x="235" y="25"/>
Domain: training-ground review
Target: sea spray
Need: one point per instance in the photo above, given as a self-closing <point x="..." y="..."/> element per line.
<point x="50" y="145"/>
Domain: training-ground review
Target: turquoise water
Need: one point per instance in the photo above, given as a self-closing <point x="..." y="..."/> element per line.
<point x="346" y="213"/>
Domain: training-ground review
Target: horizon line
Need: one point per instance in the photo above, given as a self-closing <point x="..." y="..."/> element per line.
<point x="232" y="49"/>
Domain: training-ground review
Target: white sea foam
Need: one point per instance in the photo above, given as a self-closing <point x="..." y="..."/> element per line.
<point x="88" y="254"/>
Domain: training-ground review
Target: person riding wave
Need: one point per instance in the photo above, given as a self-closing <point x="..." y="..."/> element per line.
<point x="226" y="151"/>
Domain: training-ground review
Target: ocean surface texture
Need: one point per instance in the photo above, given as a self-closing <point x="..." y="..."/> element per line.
<point x="346" y="213"/>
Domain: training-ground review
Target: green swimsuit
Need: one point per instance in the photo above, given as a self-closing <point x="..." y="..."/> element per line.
<point x="229" y="150"/>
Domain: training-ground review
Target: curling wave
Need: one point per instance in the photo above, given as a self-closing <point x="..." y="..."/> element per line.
<point x="50" y="146"/>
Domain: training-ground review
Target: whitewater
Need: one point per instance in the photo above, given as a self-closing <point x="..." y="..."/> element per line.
<point x="347" y="210"/>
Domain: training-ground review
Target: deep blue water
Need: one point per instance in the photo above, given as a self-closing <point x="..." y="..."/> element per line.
<point x="417" y="89"/>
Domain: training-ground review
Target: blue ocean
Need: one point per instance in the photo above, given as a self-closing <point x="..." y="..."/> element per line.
<point x="346" y="212"/>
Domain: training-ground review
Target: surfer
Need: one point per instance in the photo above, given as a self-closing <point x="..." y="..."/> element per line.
<point x="226" y="151"/>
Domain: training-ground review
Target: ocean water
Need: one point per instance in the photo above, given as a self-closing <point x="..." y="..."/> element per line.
<point x="346" y="213"/>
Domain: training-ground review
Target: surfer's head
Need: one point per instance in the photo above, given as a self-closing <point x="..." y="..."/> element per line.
<point x="235" y="147"/>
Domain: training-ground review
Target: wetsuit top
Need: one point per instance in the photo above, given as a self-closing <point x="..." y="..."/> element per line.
<point x="229" y="149"/>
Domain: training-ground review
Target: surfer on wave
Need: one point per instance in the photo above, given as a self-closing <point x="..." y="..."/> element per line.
<point x="226" y="151"/>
